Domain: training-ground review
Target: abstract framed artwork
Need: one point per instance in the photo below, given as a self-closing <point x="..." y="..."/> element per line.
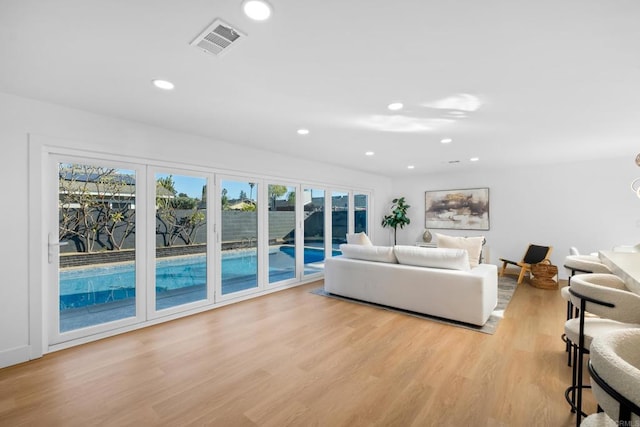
<point x="465" y="209"/>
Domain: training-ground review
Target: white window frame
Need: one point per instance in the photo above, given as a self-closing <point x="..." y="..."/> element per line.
<point x="152" y="311"/>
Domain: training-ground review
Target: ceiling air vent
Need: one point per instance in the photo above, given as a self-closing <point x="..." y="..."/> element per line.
<point x="218" y="38"/>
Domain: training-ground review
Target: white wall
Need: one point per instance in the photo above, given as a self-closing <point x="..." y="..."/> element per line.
<point x="589" y="205"/>
<point x="21" y="116"/>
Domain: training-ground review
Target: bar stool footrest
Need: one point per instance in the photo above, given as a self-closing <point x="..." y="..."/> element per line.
<point x="568" y="398"/>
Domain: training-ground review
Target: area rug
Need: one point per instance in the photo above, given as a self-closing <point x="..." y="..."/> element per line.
<point x="506" y="287"/>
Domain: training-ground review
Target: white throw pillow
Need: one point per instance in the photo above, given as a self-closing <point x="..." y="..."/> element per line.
<point x="452" y="259"/>
<point x="473" y="245"/>
<point x="369" y="253"/>
<point x="359" y="239"/>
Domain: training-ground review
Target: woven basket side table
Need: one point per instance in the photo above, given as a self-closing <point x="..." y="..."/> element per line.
<point x="544" y="276"/>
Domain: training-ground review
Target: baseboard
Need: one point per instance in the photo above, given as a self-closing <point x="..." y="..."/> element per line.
<point x="13" y="356"/>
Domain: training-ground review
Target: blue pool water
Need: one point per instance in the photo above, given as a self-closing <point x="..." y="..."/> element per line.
<point x="311" y="255"/>
<point x="103" y="284"/>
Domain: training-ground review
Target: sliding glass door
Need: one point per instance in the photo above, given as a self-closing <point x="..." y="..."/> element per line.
<point x="339" y="219"/>
<point x="239" y="235"/>
<point x="360" y="213"/>
<point x="314" y="230"/>
<point x="180" y="239"/>
<point x="282" y="232"/>
<point x="93" y="256"/>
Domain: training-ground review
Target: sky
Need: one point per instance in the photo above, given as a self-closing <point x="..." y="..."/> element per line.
<point x="192" y="186"/>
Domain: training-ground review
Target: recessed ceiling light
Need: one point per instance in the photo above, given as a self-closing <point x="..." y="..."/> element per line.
<point x="303" y="131"/>
<point x="446" y="140"/>
<point x="369" y="153"/>
<point x="163" y="84"/>
<point x="411" y="167"/>
<point x="258" y="10"/>
<point x="395" y="106"/>
<point x="474" y="159"/>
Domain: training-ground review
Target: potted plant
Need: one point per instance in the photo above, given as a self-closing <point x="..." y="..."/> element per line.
<point x="397" y="217"/>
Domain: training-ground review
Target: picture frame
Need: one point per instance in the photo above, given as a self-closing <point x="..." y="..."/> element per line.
<point x="459" y="209"/>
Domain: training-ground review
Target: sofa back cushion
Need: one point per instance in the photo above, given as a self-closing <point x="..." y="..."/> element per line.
<point x="368" y="253"/>
<point x="359" y="239"/>
<point x="451" y="259"/>
<point x="473" y="245"/>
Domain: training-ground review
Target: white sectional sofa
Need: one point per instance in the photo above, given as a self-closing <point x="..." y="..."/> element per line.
<point x="433" y="281"/>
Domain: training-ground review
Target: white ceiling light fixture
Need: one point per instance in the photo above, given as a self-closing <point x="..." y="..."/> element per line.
<point x="369" y="153"/>
<point x="303" y="131"/>
<point x="411" y="167"/>
<point x="163" y="84"/>
<point x="258" y="10"/>
<point x="474" y="159"/>
<point x="446" y="140"/>
<point x="395" y="106"/>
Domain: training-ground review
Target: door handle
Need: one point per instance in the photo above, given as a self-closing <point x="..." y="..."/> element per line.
<point x="52" y="243"/>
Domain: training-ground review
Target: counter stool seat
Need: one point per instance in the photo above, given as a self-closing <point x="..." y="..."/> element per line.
<point x="598" y="420"/>
<point x="593" y="327"/>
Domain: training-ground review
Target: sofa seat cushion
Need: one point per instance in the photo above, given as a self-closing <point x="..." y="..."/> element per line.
<point x="369" y="253"/>
<point x="451" y="259"/>
<point x="473" y="245"/>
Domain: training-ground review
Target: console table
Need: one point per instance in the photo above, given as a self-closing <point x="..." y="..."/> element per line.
<point x="626" y="265"/>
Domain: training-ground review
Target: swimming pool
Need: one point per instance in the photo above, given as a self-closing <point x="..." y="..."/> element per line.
<point x="80" y="287"/>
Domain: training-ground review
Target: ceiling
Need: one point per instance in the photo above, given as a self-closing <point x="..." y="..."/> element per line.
<point x="510" y="82"/>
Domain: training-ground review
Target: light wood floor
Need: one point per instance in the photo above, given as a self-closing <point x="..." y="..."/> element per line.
<point x="294" y="358"/>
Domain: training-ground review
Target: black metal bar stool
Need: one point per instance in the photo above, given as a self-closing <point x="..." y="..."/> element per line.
<point x="618" y="309"/>
<point x="615" y="379"/>
<point x="578" y="264"/>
